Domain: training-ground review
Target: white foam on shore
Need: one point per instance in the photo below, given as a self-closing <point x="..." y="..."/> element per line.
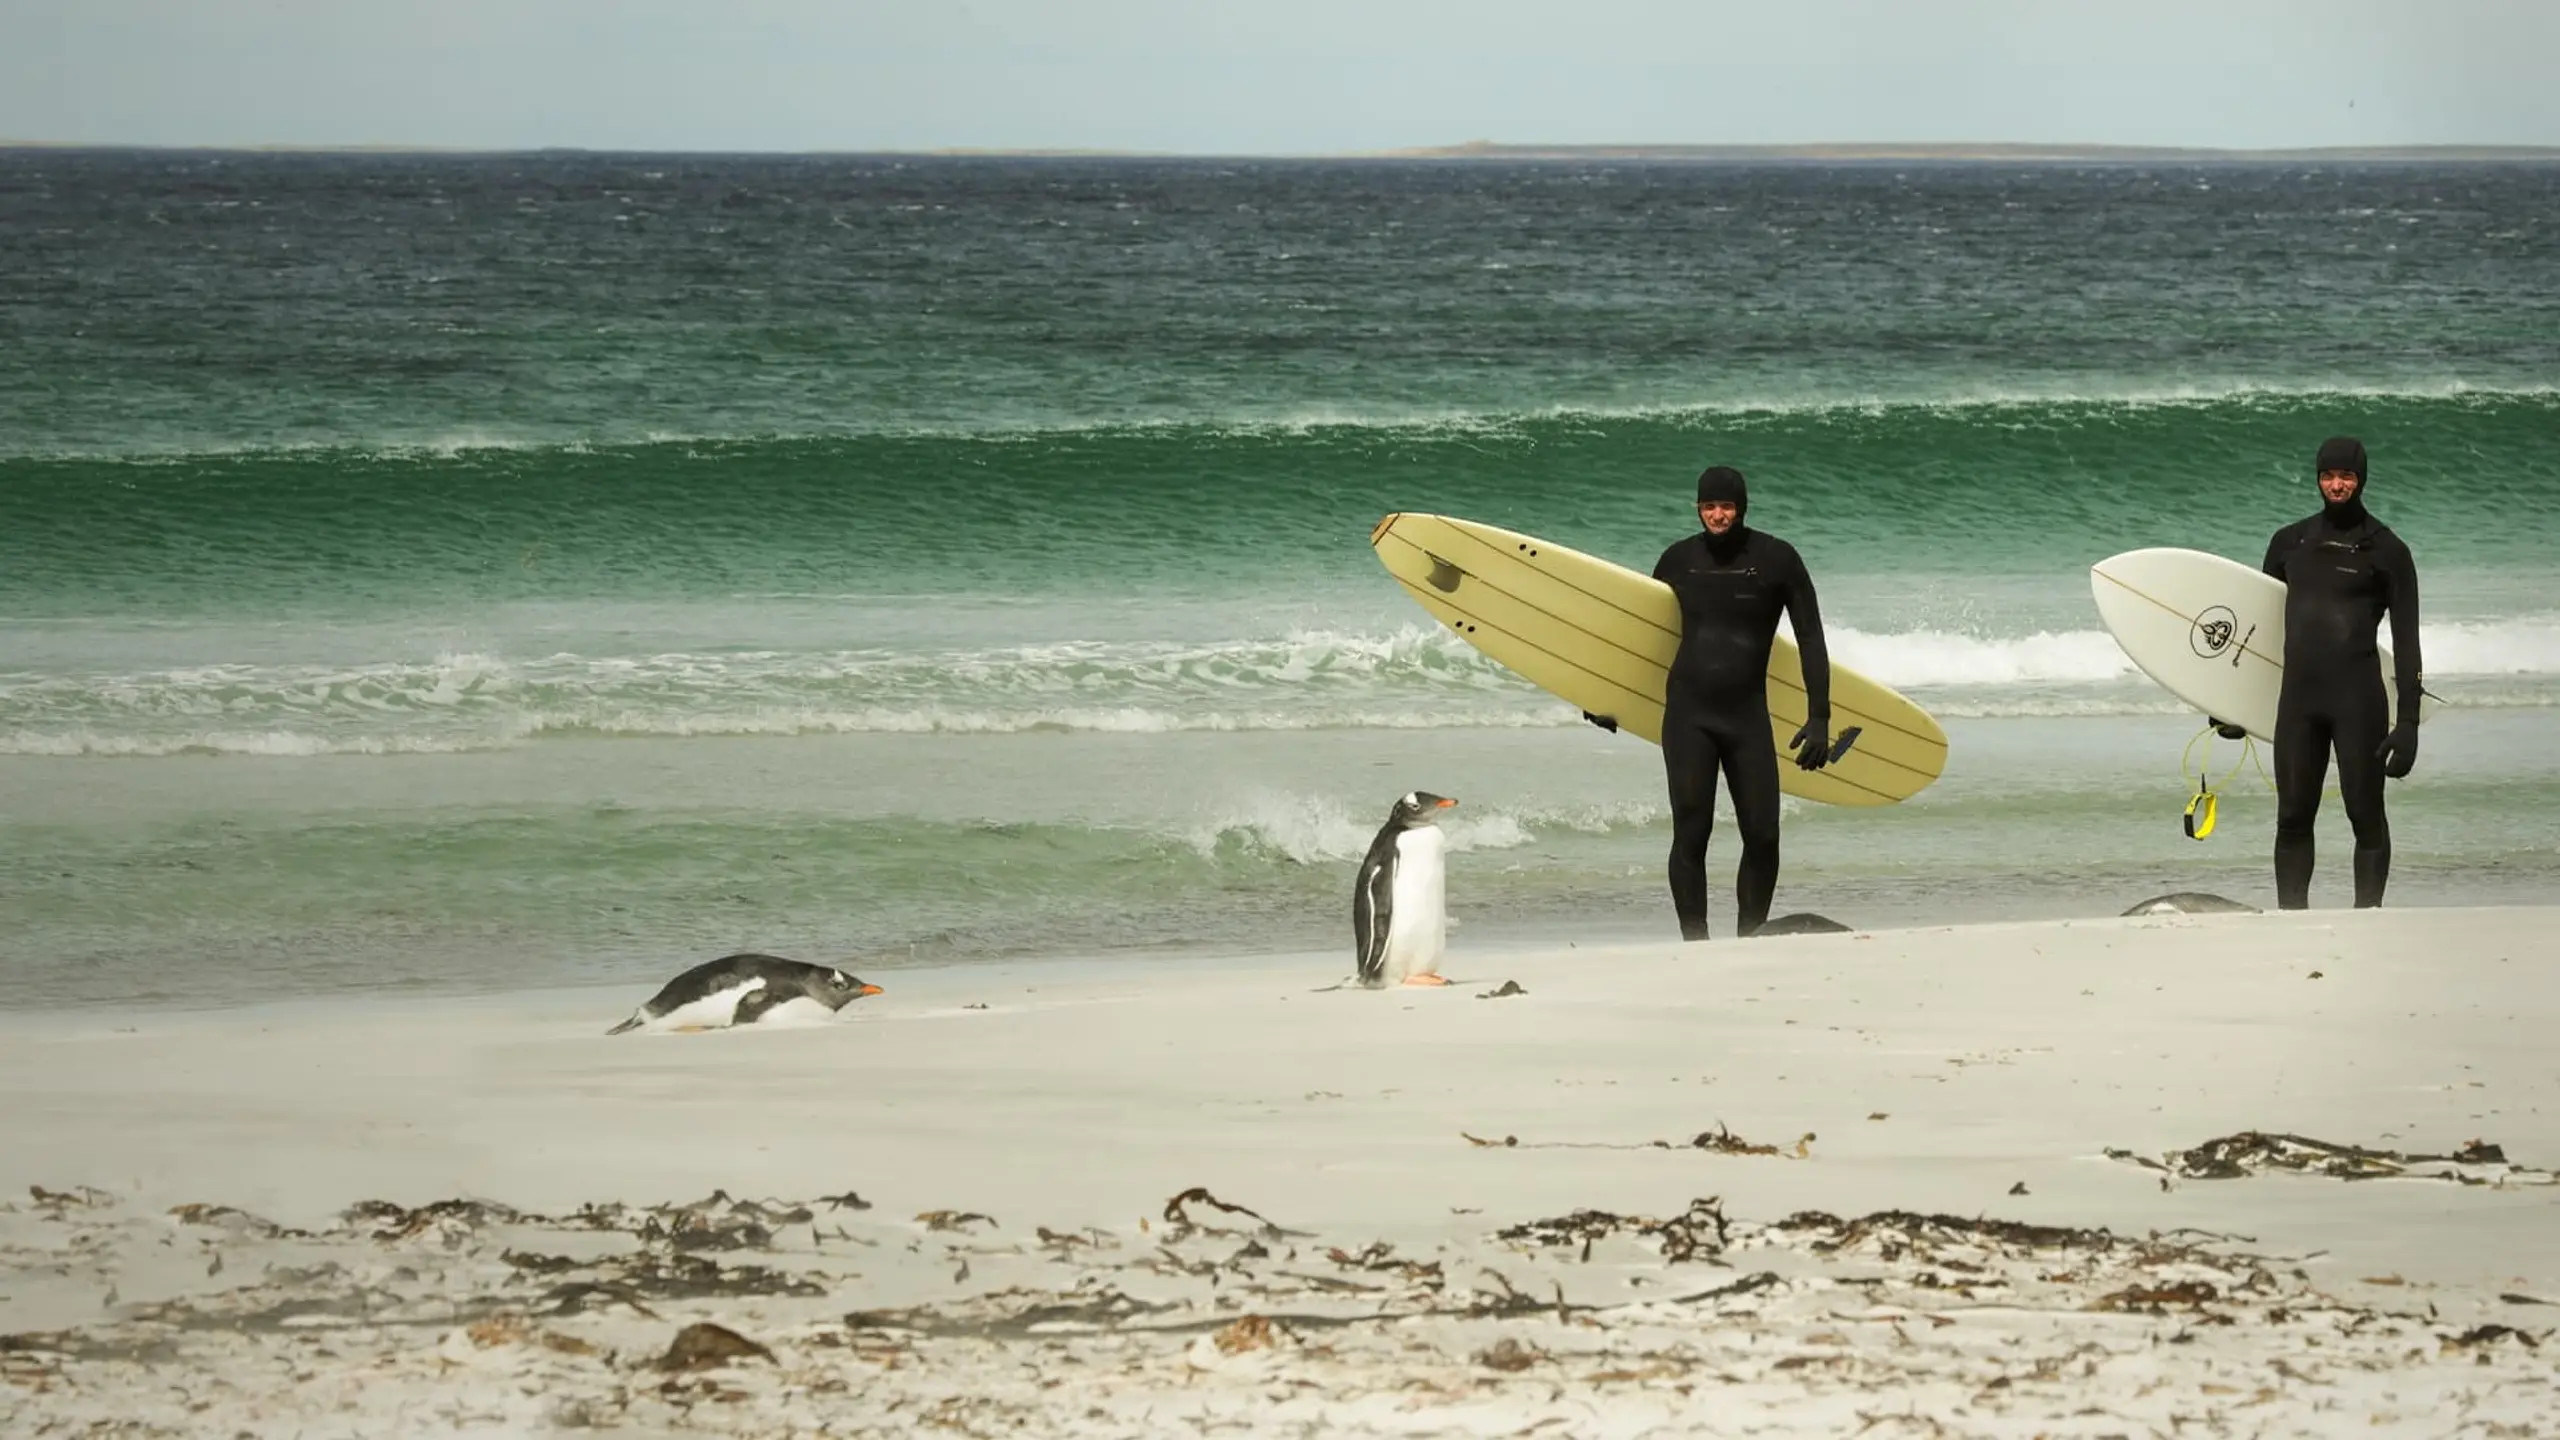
<point x="1409" y="677"/>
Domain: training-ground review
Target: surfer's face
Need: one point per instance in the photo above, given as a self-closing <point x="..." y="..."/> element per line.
<point x="1718" y="515"/>
<point x="2338" y="486"/>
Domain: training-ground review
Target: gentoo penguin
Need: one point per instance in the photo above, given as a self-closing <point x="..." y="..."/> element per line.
<point x="744" y="990"/>
<point x="2192" y="902"/>
<point x="1399" y="915"/>
<point x="1802" y="922"/>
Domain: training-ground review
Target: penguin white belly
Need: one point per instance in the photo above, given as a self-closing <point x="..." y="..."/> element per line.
<point x="796" y="1013"/>
<point x="1417" y="917"/>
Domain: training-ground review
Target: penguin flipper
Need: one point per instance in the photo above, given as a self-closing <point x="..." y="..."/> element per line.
<point x="634" y="1023"/>
<point x="753" y="1005"/>
<point x="1370" y="900"/>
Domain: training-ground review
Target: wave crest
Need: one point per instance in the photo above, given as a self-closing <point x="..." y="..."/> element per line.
<point x="1990" y="402"/>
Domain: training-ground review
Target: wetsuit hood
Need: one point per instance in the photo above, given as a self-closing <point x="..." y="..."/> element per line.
<point x="1723" y="482"/>
<point x="2341" y="452"/>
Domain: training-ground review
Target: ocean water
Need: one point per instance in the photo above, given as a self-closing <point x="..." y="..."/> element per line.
<point x="458" y="573"/>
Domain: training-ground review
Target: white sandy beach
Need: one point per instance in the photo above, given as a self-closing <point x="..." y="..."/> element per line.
<point x="953" y="1209"/>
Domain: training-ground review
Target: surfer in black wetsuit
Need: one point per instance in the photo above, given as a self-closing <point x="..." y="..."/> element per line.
<point x="1732" y="581"/>
<point x="2343" y="571"/>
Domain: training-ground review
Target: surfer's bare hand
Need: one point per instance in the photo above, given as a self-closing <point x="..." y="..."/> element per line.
<point x="1605" y="722"/>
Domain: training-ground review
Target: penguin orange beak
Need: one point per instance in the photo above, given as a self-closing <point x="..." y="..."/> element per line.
<point x="866" y="990"/>
<point x="1444" y="804"/>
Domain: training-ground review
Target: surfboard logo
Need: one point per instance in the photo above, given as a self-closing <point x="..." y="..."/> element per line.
<point x="2212" y="632"/>
<point x="2218" y="630"/>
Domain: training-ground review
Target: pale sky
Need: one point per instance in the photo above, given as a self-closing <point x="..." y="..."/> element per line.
<point x="1295" y="77"/>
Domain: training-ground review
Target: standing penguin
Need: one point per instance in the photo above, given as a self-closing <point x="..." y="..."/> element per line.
<point x="1399" y="913"/>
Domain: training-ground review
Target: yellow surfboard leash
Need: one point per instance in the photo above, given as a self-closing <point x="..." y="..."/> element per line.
<point x="2204" y="807"/>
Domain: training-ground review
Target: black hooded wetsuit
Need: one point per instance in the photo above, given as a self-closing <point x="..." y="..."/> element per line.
<point x="1731" y="588"/>
<point x="2343" y="571"/>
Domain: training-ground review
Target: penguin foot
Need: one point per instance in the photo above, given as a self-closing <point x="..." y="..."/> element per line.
<point x="1424" y="980"/>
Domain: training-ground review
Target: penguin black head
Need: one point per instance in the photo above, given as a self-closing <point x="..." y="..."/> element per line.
<point x="836" y="989"/>
<point x="1418" y="807"/>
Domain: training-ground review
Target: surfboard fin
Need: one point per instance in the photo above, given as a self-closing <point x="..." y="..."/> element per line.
<point x="1841" y="746"/>
<point x="1444" y="576"/>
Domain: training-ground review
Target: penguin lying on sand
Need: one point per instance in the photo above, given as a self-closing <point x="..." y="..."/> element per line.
<point x="1802" y="922"/>
<point x="1399" y="914"/>
<point x="2191" y="902"/>
<point x="746" y="990"/>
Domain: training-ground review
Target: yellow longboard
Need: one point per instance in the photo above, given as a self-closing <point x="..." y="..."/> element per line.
<point x="1602" y="637"/>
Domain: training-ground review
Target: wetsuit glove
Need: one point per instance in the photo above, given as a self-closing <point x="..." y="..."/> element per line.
<point x="2399" y="750"/>
<point x="1605" y="722"/>
<point x="1813" y="744"/>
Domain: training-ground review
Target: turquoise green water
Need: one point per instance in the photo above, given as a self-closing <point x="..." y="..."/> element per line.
<point x="476" y="571"/>
<point x="1214" y="509"/>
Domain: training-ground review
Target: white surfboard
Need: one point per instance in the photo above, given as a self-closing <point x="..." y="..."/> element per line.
<point x="2209" y="629"/>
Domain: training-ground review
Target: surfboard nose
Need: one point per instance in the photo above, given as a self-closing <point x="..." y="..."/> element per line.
<point x="1383" y="527"/>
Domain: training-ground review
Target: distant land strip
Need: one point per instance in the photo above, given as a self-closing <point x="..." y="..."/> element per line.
<point x="2010" y="152"/>
<point x="2004" y="150"/>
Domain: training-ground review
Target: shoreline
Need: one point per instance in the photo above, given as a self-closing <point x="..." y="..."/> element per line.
<point x="1478" y="947"/>
<point x="196" y="881"/>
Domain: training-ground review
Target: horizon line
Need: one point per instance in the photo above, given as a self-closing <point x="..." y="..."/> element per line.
<point x="1471" y="149"/>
